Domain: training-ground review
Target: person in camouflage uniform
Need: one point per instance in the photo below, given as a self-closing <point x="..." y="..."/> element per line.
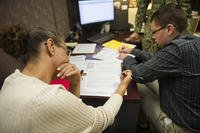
<point x="186" y="6"/>
<point x="143" y="21"/>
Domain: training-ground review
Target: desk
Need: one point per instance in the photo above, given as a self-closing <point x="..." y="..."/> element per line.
<point x="126" y="119"/>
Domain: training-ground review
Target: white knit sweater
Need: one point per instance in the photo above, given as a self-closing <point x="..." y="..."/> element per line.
<point x="28" y="105"/>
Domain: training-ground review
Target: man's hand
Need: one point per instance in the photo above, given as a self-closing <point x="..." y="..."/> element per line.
<point x="122" y="56"/>
<point x="125" y="49"/>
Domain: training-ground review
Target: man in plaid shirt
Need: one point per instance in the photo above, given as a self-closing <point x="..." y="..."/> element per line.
<point x="169" y="81"/>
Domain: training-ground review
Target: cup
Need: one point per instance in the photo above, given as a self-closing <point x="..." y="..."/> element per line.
<point x="107" y="27"/>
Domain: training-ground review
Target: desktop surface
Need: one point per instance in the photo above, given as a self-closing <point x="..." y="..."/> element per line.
<point x="127" y="117"/>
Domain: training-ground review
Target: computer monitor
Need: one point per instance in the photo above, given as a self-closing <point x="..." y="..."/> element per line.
<point x="94" y="11"/>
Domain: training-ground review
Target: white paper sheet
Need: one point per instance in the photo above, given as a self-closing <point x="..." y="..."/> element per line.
<point x="107" y="54"/>
<point x="84" y="48"/>
<point x="79" y="61"/>
<point x="102" y="78"/>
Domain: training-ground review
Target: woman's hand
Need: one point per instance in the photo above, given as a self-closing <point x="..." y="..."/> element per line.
<point x="71" y="73"/>
<point x="126" y="78"/>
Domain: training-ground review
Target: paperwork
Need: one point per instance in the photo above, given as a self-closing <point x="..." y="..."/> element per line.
<point x="102" y="78"/>
<point x="107" y="54"/>
<point x="79" y="61"/>
<point x="84" y="48"/>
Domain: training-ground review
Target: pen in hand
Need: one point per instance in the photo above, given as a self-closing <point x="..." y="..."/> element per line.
<point x="133" y="56"/>
<point x="126" y="74"/>
<point x="121" y="48"/>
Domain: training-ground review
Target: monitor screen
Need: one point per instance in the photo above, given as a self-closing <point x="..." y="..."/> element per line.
<point x="93" y="11"/>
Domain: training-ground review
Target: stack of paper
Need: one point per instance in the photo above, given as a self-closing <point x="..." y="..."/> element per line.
<point x="102" y="78"/>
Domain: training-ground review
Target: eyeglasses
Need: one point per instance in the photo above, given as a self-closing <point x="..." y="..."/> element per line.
<point x="154" y="32"/>
<point x="68" y="51"/>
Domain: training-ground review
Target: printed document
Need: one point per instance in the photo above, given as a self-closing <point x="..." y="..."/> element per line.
<point x="79" y="61"/>
<point x="107" y="54"/>
<point x="84" y="48"/>
<point x="102" y="78"/>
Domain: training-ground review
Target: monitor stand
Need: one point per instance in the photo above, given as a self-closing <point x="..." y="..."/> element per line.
<point x="92" y="28"/>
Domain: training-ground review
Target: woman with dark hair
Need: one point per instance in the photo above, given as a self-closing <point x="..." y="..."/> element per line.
<point x="30" y="104"/>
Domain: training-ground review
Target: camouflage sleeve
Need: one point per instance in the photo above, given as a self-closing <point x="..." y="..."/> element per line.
<point x="186" y="6"/>
<point x="141" y="14"/>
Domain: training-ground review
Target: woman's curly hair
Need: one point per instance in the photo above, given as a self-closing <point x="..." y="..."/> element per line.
<point x="24" y="44"/>
<point x="14" y="40"/>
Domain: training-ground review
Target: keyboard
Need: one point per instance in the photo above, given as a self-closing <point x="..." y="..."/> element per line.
<point x="101" y="38"/>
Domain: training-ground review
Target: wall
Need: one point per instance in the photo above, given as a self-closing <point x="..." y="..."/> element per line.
<point x="120" y="22"/>
<point x="73" y="12"/>
<point x="51" y="14"/>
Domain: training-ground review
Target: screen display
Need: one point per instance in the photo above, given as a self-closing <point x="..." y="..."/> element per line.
<point x="93" y="11"/>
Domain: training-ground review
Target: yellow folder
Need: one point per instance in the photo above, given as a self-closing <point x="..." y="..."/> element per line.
<point x="114" y="44"/>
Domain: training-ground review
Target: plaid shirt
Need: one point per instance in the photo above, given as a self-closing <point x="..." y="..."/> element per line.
<point x="177" y="68"/>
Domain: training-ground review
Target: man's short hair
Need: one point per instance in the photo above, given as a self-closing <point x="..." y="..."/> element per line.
<point x="170" y="14"/>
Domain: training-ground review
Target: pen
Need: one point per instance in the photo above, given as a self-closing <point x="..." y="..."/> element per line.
<point x="123" y="74"/>
<point x="81" y="72"/>
<point x="121" y="47"/>
<point x="133" y="56"/>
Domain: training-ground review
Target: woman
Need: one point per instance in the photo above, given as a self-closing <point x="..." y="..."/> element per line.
<point x="30" y="104"/>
